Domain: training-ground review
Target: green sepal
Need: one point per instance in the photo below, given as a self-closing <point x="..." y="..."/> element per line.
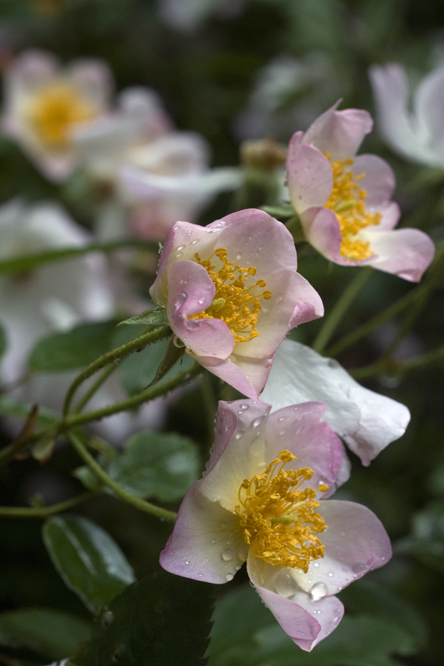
<point x="280" y="212"/>
<point x="154" y="318"/>
<point x="172" y="355"/>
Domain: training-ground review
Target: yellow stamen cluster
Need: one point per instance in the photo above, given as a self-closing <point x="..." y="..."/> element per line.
<point x="280" y="523"/>
<point x="53" y="112"/>
<point x="347" y="201"/>
<point x="233" y="301"/>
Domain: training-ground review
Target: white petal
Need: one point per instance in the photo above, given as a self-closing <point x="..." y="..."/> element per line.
<point x="365" y="420"/>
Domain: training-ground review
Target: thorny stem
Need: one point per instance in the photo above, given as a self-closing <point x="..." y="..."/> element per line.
<point x="118" y="490"/>
<point x="75" y="420"/>
<point x="95" y="387"/>
<point x="111" y="357"/>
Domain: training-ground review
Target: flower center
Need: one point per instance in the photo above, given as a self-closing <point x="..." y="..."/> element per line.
<point x="347" y="201"/>
<point x="234" y="303"/>
<point x="280" y="523"/>
<point x="54" y="110"/>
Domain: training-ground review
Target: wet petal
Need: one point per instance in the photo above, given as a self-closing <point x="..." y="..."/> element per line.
<point x="309" y="176"/>
<point x="365" y="420"/>
<point x="191" y="291"/>
<point x="207" y="542"/>
<point x="298" y="429"/>
<point x="355" y="543"/>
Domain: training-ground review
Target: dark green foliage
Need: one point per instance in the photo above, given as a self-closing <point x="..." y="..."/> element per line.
<point x="162" y="619"/>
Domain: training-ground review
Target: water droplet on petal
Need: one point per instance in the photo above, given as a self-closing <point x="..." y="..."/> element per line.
<point x="227" y="555"/>
<point x="244" y="407"/>
<point x="318" y="591"/>
<point x="180" y="248"/>
<point x="359" y="567"/>
<point x="282" y="418"/>
<point x="330" y="574"/>
<point x="194" y="242"/>
<point x="316" y="564"/>
<point x="228" y="577"/>
<point x="201" y="301"/>
<point x="258" y="421"/>
<point x="284" y="584"/>
<point x="187" y="561"/>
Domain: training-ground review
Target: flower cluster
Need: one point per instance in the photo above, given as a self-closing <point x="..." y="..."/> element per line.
<point x="228" y="295"/>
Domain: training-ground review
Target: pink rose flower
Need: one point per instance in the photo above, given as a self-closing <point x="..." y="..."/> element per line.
<point x="344" y="201"/>
<point x="232" y="293"/>
<point x="262" y="500"/>
<point x="44" y="104"/>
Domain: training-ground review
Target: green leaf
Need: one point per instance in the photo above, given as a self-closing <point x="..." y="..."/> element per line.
<point x="382" y="602"/>
<point x="47" y="632"/>
<point x="161" y="620"/>
<point x="3" y="341"/>
<point x="155" y="317"/>
<point x="72" y="350"/>
<point x="89" y="561"/>
<point x="156" y="465"/>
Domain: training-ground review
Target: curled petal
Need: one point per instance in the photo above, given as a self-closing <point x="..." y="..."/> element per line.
<point x="191" y="291"/>
<point x="365" y="420"/>
<point x="339" y="133"/>
<point x="321" y="227"/>
<point x="403" y="252"/>
<point x="305" y="620"/>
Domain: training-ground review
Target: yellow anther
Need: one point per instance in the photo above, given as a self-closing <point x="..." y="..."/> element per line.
<point x="233" y="303"/>
<point x="323" y="488"/>
<point x="279" y="520"/>
<point x="55" y="110"/>
<point x="347" y="202"/>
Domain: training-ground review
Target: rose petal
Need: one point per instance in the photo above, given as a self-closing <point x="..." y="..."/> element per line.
<point x="207" y="542"/>
<point x="243" y="456"/>
<point x="428" y="105"/>
<point x="378" y="180"/>
<point x="355" y="543"/>
<point x="297" y="614"/>
<point x="321" y="227"/>
<point x="394" y="121"/>
<point x="191" y="291"/>
<point x="309" y="176"/>
<point x="339" y="133"/>
<point x="298" y="429"/>
<point x="403" y="252"/>
<point x="365" y="420"/>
